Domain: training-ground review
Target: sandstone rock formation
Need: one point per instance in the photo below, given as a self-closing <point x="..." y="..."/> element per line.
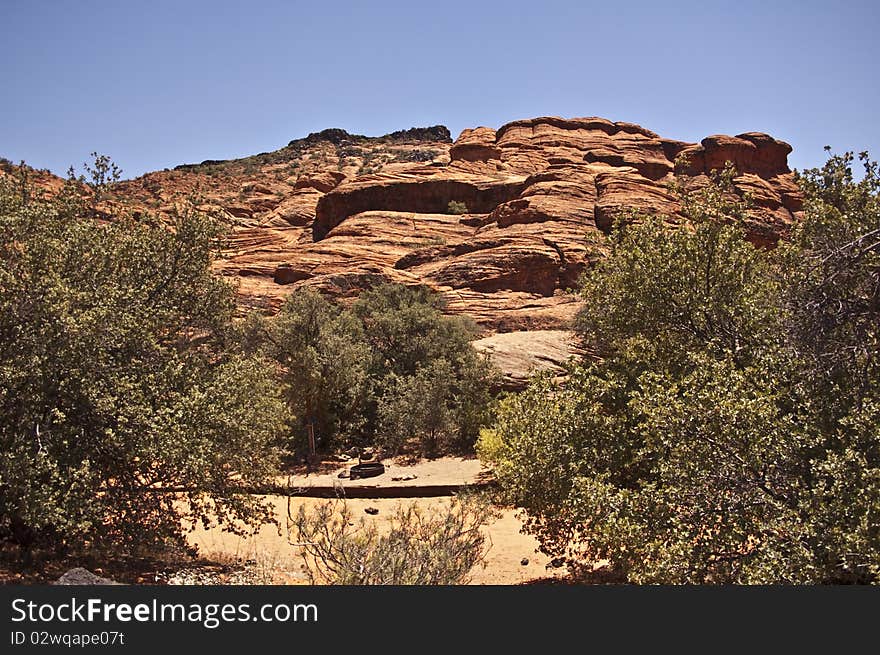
<point x="520" y="355"/>
<point x="539" y="194"/>
<point x="342" y="212"/>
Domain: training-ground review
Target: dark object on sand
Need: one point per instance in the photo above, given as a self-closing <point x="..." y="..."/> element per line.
<point x="366" y="470"/>
<point x="371" y="510"/>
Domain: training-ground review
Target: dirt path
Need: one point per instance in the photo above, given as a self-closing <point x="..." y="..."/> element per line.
<point x="444" y="476"/>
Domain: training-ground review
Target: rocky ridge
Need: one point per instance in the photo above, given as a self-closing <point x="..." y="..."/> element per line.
<point x="530" y="203"/>
<point x="538" y="195"/>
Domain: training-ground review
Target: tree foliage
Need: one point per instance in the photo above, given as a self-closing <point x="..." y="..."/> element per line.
<point x="406" y="328"/>
<point x="418" y="406"/>
<point x="730" y="431"/>
<point x="114" y="380"/>
<point x="663" y="292"/>
<point x="832" y="272"/>
<point x="323" y="361"/>
<point x="421" y="353"/>
<point x="392" y="370"/>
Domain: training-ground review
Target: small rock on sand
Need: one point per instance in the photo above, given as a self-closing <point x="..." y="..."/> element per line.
<point x="81" y="576"/>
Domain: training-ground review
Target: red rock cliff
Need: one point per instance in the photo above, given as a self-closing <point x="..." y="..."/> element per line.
<point x="342" y="212"/>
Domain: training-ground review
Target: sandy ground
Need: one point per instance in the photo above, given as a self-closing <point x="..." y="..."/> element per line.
<point x="277" y="561"/>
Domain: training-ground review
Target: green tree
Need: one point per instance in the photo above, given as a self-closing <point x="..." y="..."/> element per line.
<point x="406" y="328"/>
<point x="103" y="173"/>
<point x="430" y="384"/>
<point x="663" y="292"/>
<point x="730" y="432"/>
<point x="389" y="370"/>
<point x="114" y="381"/>
<point x="831" y="273"/>
<point x="549" y="439"/>
<point x="418" y="406"/>
<point x="324" y="360"/>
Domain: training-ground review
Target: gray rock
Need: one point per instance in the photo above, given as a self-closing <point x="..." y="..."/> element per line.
<point x="81" y="576"/>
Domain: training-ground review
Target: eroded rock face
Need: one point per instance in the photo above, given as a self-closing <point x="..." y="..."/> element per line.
<point x="752" y="152"/>
<point x="418" y="191"/>
<point x="342" y="212"/>
<point x="477" y="144"/>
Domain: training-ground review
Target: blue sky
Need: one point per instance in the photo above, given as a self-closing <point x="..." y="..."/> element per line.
<point x="162" y="83"/>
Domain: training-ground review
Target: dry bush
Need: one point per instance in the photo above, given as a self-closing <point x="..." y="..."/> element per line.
<point x="416" y="547"/>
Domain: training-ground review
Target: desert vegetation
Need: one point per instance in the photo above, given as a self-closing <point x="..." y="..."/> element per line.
<point x="116" y="382"/>
<point x="416" y="547"/>
<point x="133" y="405"/>
<point x="456" y="207"/>
<point x="390" y="371"/>
<point x="723" y="429"/>
<point x="728" y="431"/>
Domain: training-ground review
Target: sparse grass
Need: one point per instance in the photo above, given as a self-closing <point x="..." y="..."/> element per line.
<point x="422" y="242"/>
<point x="456" y="207"/>
<point x="416" y="155"/>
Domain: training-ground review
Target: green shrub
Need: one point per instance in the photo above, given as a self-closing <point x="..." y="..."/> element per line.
<point x="363" y="376"/>
<point x="323" y="361"/>
<point x="419" y="406"/>
<point x="456" y="207"/>
<point x="114" y="381"/>
<point x="731" y="430"/>
<point x="416" y="346"/>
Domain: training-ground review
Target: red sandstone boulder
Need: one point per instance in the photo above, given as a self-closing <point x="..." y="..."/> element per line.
<point x="477" y="144"/>
<point x="322" y="181"/>
<point x="752" y="152"/>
